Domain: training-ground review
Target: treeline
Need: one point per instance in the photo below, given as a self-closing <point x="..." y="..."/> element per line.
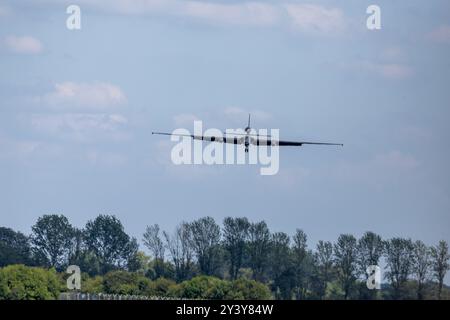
<point x="20" y="282"/>
<point x="207" y="255"/>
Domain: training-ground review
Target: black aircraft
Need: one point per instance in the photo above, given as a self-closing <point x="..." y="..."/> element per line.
<point x="248" y="138"/>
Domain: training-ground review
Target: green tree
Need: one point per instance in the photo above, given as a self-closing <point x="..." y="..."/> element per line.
<point x="345" y="260"/>
<point x="52" y="239"/>
<point x="302" y="264"/>
<point x="18" y="282"/>
<point x="132" y="256"/>
<point x="259" y="249"/>
<point x="206" y="240"/>
<point x="440" y="264"/>
<point x="235" y="236"/>
<point x="399" y="262"/>
<point x="77" y="246"/>
<point x="14" y="247"/>
<point x="281" y="270"/>
<point x="106" y="238"/>
<point x="81" y="256"/>
<point x="369" y="251"/>
<point x="421" y="266"/>
<point x="158" y="269"/>
<point x="152" y="240"/>
<point x="139" y="263"/>
<point x="88" y="262"/>
<point x="323" y="272"/>
<point x="180" y="249"/>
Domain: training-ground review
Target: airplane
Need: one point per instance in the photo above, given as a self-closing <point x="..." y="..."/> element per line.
<point x="248" y="138"/>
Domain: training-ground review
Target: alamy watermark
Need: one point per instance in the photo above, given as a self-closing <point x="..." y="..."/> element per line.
<point x="73" y="22"/>
<point x="373" y="22"/>
<point x="373" y="281"/>
<point x="74" y="280"/>
<point x="373" y="277"/>
<point x="234" y="146"/>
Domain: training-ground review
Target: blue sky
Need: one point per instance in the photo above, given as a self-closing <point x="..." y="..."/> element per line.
<point x="77" y="109"/>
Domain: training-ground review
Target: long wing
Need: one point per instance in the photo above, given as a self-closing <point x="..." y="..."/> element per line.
<point x="232" y="140"/>
<point x="257" y="141"/>
<point x="246" y="134"/>
<point x="269" y="142"/>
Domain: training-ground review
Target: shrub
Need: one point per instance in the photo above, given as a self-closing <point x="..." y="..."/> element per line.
<point x="206" y="287"/>
<point x="123" y="282"/>
<point x="201" y="287"/>
<point x="162" y="287"/>
<point x="92" y="285"/>
<point x="246" y="289"/>
<point x="18" y="282"/>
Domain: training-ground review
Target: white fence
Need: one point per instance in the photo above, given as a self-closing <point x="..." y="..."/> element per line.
<point x="104" y="296"/>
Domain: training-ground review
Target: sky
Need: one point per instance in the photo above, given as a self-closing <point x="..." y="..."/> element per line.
<point x="77" y="108"/>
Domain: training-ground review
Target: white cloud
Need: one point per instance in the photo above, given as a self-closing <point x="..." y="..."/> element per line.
<point x="315" y="18"/>
<point x="27" y="150"/>
<point x="304" y="17"/>
<point x="248" y="13"/>
<point x="441" y="34"/>
<point x="81" y="127"/>
<point x="23" y="44"/>
<point x="117" y="119"/>
<point x="387" y="70"/>
<point x="389" y="63"/>
<point x="91" y="96"/>
<point x="82" y="112"/>
<point x="135" y="7"/>
<point x="244" y="13"/>
<point x="31" y="151"/>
